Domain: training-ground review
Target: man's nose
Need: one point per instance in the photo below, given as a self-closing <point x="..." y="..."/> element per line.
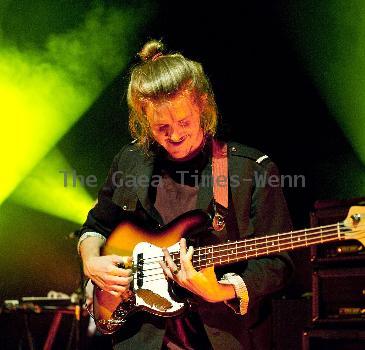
<point x="175" y="134"/>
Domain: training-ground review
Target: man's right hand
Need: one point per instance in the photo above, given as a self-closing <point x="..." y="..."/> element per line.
<point x="105" y="273"/>
<point x="104" y="270"/>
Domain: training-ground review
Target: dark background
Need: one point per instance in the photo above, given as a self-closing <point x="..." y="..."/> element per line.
<point x="266" y="97"/>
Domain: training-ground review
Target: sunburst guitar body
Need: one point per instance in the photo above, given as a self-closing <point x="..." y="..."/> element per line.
<point x="151" y="292"/>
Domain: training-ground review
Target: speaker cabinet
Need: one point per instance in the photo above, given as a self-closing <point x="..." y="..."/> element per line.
<point x="341" y="253"/>
<point x="338" y="270"/>
<point x="339" y="295"/>
<point x="331" y="339"/>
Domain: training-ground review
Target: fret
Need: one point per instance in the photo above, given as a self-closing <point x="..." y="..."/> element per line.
<point x="228" y="252"/>
<point x="255" y="247"/>
<point x="208" y="261"/>
<point x="236" y="251"/>
<point x="279" y="242"/>
<point x="305" y="236"/>
<point x="282" y="242"/>
<point x="321" y="234"/>
<point x="338" y="231"/>
<point x="204" y="262"/>
<point x="231" y="252"/>
<point x="298" y="239"/>
<point x="198" y="260"/>
<point x="196" y="257"/>
<point x="267" y="247"/>
<point x="205" y="257"/>
<point x="207" y="252"/>
<point x="291" y="239"/>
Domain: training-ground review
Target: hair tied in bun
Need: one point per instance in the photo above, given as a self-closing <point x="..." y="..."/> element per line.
<point x="156" y="56"/>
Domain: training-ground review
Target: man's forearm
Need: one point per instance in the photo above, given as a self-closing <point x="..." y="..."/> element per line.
<point x="90" y="247"/>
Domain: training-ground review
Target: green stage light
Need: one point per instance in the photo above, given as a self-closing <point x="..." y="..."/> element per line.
<point x="45" y="190"/>
<point x="44" y="92"/>
<point x="32" y="120"/>
<point x="330" y="39"/>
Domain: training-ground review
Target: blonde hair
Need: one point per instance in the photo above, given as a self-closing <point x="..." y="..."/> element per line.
<point x="160" y="77"/>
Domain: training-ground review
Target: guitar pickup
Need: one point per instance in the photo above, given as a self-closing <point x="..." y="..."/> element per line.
<point x="139" y="267"/>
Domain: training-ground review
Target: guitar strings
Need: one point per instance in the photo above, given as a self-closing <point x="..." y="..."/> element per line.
<point x="240" y="251"/>
<point x="263" y="240"/>
<point x="330" y="238"/>
<point x="243" y="252"/>
<point x="162" y="275"/>
<point x="277" y="235"/>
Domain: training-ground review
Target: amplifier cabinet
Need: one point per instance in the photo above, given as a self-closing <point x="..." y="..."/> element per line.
<point x="338" y="295"/>
<point x="333" y="339"/>
<point x="344" y="253"/>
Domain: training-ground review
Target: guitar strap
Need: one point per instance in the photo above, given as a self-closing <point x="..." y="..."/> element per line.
<point x="220" y="183"/>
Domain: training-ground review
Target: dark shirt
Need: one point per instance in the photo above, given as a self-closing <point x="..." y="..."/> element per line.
<point x="177" y="191"/>
<point x="260" y="209"/>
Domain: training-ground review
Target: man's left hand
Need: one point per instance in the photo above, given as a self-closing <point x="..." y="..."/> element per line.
<point x="202" y="283"/>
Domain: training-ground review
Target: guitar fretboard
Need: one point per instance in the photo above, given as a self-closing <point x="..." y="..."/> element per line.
<point x="231" y="252"/>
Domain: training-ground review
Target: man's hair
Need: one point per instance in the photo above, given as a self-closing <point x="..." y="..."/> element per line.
<point x="161" y="77"/>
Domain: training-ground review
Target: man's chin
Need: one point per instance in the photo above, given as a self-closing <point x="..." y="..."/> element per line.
<point x="178" y="154"/>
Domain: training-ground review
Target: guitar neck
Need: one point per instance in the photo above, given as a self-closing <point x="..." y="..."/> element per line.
<point x="231" y="252"/>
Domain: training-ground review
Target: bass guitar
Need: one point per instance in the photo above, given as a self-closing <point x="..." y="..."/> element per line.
<point x="151" y="292"/>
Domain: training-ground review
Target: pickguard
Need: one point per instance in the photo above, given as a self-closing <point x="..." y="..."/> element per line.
<point x="149" y="283"/>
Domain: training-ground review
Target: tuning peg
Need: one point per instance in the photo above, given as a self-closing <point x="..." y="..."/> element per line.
<point x="356" y="217"/>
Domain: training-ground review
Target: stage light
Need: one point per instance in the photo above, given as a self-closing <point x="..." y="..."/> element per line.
<point x="34" y="116"/>
<point x="329" y="37"/>
<point x="45" y="189"/>
<point x="43" y="92"/>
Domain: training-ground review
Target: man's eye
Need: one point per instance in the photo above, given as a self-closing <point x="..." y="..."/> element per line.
<point x="162" y="128"/>
<point x="184" y="123"/>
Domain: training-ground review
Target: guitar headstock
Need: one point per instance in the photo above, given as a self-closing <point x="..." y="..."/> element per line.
<point x="355" y="222"/>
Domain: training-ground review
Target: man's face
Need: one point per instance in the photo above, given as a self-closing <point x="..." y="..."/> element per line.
<point x="175" y="125"/>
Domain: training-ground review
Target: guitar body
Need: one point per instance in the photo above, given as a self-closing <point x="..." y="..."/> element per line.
<point x="150" y="291"/>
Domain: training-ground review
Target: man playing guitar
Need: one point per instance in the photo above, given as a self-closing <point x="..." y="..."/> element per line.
<point x="161" y="176"/>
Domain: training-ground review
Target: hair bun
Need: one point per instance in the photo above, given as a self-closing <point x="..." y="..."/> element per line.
<point x="151" y="49"/>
